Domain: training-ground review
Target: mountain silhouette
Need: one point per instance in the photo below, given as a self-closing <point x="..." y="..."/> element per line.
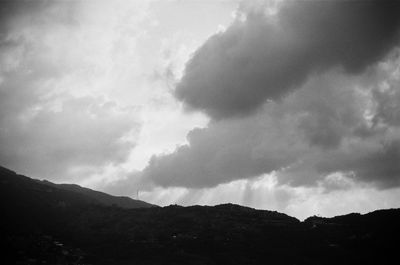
<point x="10" y="179"/>
<point x="47" y="223"/>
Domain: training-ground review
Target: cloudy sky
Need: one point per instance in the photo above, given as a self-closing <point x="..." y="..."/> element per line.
<point x="291" y="106"/>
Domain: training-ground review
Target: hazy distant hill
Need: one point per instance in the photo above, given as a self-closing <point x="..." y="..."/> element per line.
<point x="45" y="223"/>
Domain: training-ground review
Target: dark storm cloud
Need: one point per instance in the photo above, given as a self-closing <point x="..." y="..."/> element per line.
<point x="312" y="120"/>
<point x="364" y="126"/>
<point x="326" y="126"/>
<point x="337" y="59"/>
<point x="264" y="58"/>
<point x="224" y="152"/>
<point x="379" y="165"/>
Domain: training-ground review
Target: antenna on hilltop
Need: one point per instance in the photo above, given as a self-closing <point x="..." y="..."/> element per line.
<point x="137" y="194"/>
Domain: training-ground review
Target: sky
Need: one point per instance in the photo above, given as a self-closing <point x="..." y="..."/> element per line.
<point x="291" y="106"/>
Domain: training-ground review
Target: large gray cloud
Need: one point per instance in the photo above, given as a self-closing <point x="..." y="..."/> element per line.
<point x="264" y="58"/>
<point x="226" y="151"/>
<point x="334" y="123"/>
<point x="379" y="163"/>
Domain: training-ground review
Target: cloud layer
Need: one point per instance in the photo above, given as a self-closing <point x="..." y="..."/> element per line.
<point x="338" y="60"/>
<point x="328" y="125"/>
<point x="263" y="57"/>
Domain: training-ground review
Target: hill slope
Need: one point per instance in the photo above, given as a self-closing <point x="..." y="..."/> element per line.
<point x="101" y="197"/>
<point x="89" y="196"/>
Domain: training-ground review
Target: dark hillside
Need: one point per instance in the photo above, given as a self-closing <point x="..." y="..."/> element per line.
<point x="101" y="197"/>
<point x="45" y="224"/>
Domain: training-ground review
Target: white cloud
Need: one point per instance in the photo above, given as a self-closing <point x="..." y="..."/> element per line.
<point x="59" y="119"/>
